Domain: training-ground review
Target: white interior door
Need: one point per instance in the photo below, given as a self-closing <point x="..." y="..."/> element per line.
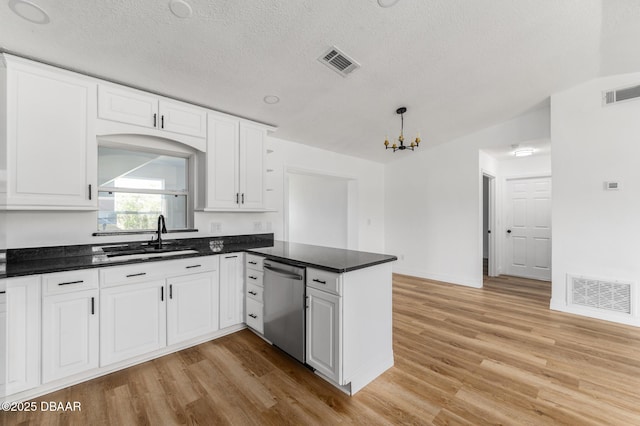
<point x="528" y="228"/>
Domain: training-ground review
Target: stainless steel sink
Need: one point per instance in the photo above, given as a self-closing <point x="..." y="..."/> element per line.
<point x="141" y="254"/>
<point x="123" y="252"/>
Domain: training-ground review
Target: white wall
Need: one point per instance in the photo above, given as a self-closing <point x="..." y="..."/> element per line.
<point x="433" y="202"/>
<point x="595" y="232"/>
<point x="33" y="229"/>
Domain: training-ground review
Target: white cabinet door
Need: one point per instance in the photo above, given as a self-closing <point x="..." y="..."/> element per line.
<point x="3" y="338"/>
<point x="70" y="331"/>
<point x="192" y="307"/>
<point x="51" y="142"/>
<point x="127" y="106"/>
<point x="22" y="333"/>
<point x="252" y="168"/>
<point x="231" y="289"/>
<point x="132" y="320"/>
<point x="223" y="188"/>
<point x="182" y="118"/>
<point x="323" y="333"/>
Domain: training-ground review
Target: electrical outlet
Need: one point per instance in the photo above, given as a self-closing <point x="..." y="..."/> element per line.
<point x="216" y="227"/>
<point x="257" y="226"/>
<point x="269" y="227"/>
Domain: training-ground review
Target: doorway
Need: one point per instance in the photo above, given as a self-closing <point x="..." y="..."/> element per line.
<point x="528" y="228"/>
<point x="489" y="264"/>
<point x="320" y="209"/>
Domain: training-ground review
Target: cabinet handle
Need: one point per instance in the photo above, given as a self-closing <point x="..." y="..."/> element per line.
<point x="2" y="292"/>
<point x="155" y="116"/>
<point x="192" y="266"/>
<point x="306" y="302"/>
<point x="230" y="257"/>
<point x="253" y="316"/>
<point x="89" y="192"/>
<point x="237" y="198"/>
<point x="136" y="275"/>
<point x="253" y="263"/>
<point x="170" y="291"/>
<point x="243" y="198"/>
<point x="253" y="293"/>
<point x="162" y="121"/>
<point x="71" y="282"/>
<point x="93" y="306"/>
<point x="252" y="277"/>
<point x="162" y="294"/>
<point x="315" y="280"/>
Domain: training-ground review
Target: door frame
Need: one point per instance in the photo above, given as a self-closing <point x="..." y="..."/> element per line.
<point x="352" y="201"/>
<point x="505" y="181"/>
<point x="493" y="259"/>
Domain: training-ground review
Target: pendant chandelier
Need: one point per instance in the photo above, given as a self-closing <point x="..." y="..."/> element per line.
<point x="414" y="144"/>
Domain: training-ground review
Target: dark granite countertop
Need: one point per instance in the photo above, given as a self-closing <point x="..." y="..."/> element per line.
<point x="43" y="260"/>
<point x="327" y="258"/>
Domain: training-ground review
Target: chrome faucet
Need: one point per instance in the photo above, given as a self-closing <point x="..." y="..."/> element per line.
<point x="162" y="229"/>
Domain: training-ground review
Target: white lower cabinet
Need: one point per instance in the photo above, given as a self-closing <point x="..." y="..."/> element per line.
<point x="192" y="307"/>
<point x="132" y="320"/>
<point x="21" y="343"/>
<point x="70" y="330"/>
<point x="323" y="333"/>
<point x="231" y="289"/>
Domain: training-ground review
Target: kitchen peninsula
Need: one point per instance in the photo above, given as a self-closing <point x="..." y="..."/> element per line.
<point x="122" y="304"/>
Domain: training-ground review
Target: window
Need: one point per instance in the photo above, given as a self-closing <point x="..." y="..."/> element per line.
<point x="135" y="187"/>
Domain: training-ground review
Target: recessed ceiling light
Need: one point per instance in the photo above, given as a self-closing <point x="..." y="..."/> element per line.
<point x="180" y="8"/>
<point x="29" y="11"/>
<point x="271" y="99"/>
<point x="523" y="152"/>
<point x="387" y="3"/>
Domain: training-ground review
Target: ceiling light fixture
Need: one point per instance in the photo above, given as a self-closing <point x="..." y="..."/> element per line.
<point x="271" y="99"/>
<point x="180" y="8"/>
<point x="523" y="152"/>
<point x="29" y="11"/>
<point x="387" y="3"/>
<point x="414" y="144"/>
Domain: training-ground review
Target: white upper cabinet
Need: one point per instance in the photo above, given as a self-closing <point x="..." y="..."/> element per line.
<point x="47" y="137"/>
<point x="131" y="106"/>
<point x="235" y="165"/>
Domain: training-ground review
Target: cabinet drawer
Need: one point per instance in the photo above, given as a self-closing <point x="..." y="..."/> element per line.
<point x="254" y="292"/>
<point x="119" y="275"/>
<point x="254" y="277"/>
<point x="254" y="317"/>
<point x="254" y="262"/>
<point x="69" y="281"/>
<point x="192" y="265"/>
<point x="324" y="280"/>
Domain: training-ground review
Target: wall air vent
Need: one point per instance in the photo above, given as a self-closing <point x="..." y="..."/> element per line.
<point x="338" y="61"/>
<point x="611" y="296"/>
<point x="620" y="95"/>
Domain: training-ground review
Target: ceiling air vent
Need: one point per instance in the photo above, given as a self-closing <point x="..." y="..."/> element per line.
<point x="338" y="61"/>
<point x="619" y="95"/>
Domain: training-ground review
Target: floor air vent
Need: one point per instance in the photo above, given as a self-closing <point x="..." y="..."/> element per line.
<point x="338" y="61"/>
<point x="606" y="295"/>
<point x="620" y="95"/>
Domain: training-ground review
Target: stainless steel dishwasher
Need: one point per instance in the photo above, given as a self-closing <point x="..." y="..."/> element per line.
<point x="284" y="307"/>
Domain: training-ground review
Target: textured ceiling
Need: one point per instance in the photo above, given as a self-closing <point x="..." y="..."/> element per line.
<point x="457" y="65"/>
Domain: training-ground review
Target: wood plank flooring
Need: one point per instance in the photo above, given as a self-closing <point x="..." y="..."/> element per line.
<point x="463" y="356"/>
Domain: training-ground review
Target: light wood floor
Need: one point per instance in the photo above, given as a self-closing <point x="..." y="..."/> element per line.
<point x="462" y="356"/>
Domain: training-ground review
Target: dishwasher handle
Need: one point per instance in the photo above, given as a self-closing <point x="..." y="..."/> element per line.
<point x="283" y="273"/>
